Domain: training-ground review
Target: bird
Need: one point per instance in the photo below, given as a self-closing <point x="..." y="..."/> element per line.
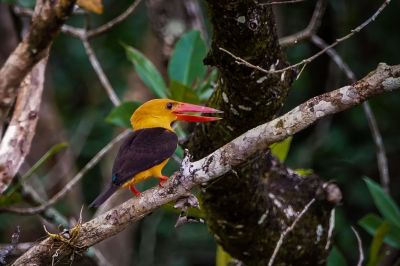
<point x="148" y="147"/>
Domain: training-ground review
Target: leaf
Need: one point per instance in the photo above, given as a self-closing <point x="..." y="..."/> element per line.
<point x="120" y="115"/>
<point x="50" y="153"/>
<point x="183" y="93"/>
<point x="371" y="223"/>
<point x="147" y="72"/>
<point x="186" y="64"/>
<point x="385" y="204"/>
<point x="304" y="171"/>
<point x="281" y="149"/>
<point x="376" y="244"/>
<point x="95" y="6"/>
<point x="206" y="88"/>
<point x="6" y="200"/>
<point x="222" y="258"/>
<point x="336" y="258"/>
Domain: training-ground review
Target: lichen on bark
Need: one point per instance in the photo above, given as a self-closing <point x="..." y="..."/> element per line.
<point x="248" y="208"/>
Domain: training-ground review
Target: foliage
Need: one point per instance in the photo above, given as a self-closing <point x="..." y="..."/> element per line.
<point x="11" y="196"/>
<point x="120" y="115"/>
<point x="385" y="204"/>
<point x="281" y="149"/>
<point x="147" y="72"/>
<point x="185" y="67"/>
<point x="186" y="64"/>
<point x="336" y="258"/>
<point x="384" y="230"/>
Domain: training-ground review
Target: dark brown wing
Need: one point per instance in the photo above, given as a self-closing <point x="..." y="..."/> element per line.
<point x="141" y="150"/>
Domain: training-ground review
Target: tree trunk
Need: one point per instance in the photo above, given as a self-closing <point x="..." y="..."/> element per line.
<point x="248" y="209"/>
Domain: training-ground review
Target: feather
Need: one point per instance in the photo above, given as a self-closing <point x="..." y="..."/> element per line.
<point x="103" y="196"/>
<point x="141" y="150"/>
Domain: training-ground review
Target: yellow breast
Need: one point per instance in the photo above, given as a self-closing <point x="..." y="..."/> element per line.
<point x="154" y="171"/>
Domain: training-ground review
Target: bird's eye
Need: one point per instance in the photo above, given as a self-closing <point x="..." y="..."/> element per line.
<point x="169" y="106"/>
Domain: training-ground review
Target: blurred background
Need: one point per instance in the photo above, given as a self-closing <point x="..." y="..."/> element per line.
<point x="75" y="106"/>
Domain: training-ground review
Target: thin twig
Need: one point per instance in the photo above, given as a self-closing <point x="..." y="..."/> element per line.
<point x="282" y="2"/>
<point x="241" y="61"/>
<point x="360" y="249"/>
<point x="78" y="32"/>
<point x="100" y="73"/>
<point x="288" y="230"/>
<point x="336" y="58"/>
<point x="71" y="184"/>
<point x="112" y="23"/>
<point x="330" y="230"/>
<point x="383" y="165"/>
<point x="311" y="28"/>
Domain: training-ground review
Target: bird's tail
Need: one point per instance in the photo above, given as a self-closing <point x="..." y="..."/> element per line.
<point x="104" y="196"/>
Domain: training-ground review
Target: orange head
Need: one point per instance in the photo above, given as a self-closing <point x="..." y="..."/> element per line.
<point x="162" y="112"/>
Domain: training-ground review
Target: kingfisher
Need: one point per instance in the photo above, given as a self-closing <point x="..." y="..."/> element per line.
<point x="147" y="149"/>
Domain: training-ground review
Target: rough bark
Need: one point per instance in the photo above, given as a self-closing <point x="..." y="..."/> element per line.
<point x="47" y="20"/>
<point x="248" y="208"/>
<point x="17" y="139"/>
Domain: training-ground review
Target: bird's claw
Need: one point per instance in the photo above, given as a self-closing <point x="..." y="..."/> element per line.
<point x="134" y="191"/>
<point x="163" y="179"/>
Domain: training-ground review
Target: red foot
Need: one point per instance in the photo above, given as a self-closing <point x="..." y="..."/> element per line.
<point x="134" y="190"/>
<point x="163" y="179"/>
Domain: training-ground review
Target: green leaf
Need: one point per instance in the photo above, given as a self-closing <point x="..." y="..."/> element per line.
<point x="304" y="171"/>
<point x="281" y="149"/>
<point x="6" y="200"/>
<point x="120" y="115"/>
<point x="336" y="258"/>
<point x="385" y="204"/>
<point x="371" y="222"/>
<point x="206" y="88"/>
<point x="50" y="153"/>
<point x="147" y="72"/>
<point x="186" y="64"/>
<point x="10" y="196"/>
<point x="222" y="258"/>
<point x="183" y="93"/>
<point x="376" y="244"/>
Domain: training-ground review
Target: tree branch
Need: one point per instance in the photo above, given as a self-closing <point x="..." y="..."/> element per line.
<point x="71" y="184"/>
<point x="310" y="30"/>
<point x="303" y="63"/>
<point x="288" y="230"/>
<point x="384" y="79"/>
<point x="383" y="165"/>
<point x="100" y="73"/>
<point x="16" y="142"/>
<point x="47" y="20"/>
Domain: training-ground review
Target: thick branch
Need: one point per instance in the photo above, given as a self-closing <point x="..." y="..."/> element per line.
<point x="17" y="140"/>
<point x="47" y="20"/>
<point x="383" y="79"/>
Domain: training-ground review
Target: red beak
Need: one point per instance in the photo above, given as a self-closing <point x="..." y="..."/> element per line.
<point x="182" y="108"/>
